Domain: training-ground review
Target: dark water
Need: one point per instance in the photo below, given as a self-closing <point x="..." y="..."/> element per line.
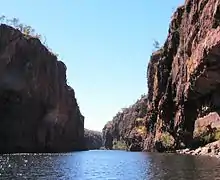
<point x="109" y="165"/>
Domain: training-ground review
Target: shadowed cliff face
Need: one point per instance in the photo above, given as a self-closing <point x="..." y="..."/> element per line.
<point x="183" y="76"/>
<point x="93" y="139"/>
<point x="183" y="79"/>
<point x="38" y="110"/>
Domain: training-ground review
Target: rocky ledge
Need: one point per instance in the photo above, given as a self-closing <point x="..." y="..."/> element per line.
<point x="38" y="110"/>
<point x="211" y="149"/>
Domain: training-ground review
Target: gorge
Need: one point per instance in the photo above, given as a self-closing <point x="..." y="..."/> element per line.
<point x="45" y="124"/>
<point x="39" y="110"/>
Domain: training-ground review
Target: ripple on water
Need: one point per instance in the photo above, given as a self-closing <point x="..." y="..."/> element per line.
<point x="111" y="165"/>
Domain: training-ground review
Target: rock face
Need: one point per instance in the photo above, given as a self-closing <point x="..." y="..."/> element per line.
<point x="38" y="110"/>
<point x="93" y="139"/>
<point x="212" y="119"/>
<point x="184" y="75"/>
<point x="127" y="126"/>
<point x="183" y="79"/>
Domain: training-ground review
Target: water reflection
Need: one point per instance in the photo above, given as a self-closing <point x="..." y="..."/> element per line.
<point x="111" y="165"/>
<point x="172" y="167"/>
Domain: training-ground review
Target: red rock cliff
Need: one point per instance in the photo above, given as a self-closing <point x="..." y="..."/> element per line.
<point x="184" y="78"/>
<point x="184" y="75"/>
<point x="38" y="110"/>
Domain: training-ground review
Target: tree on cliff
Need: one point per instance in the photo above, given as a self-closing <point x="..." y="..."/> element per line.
<point x="15" y="22"/>
<point x="25" y="29"/>
<point x="156" y="44"/>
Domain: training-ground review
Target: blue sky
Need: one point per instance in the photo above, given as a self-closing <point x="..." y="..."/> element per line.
<point x="106" y="45"/>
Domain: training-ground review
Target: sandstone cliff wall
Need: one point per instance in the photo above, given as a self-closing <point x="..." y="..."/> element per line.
<point x="38" y="110"/>
<point x="184" y="77"/>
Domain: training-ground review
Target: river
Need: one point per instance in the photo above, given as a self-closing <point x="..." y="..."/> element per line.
<point x="108" y="165"/>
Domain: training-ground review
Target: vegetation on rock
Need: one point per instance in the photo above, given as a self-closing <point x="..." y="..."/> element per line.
<point x="119" y="145"/>
<point x="206" y="136"/>
<point x="27" y="30"/>
<point x="140" y="127"/>
<point x="156" y="44"/>
<point x="167" y="140"/>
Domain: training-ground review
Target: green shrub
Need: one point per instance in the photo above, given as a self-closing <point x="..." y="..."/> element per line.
<point x="27" y="30"/>
<point x="198" y="131"/>
<point x="140" y="127"/>
<point x="119" y="145"/>
<point x="207" y="137"/>
<point x="217" y="135"/>
<point x="141" y="130"/>
<point x="167" y="140"/>
<point x="139" y="119"/>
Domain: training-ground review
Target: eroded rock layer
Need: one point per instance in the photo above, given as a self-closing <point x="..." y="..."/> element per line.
<point x="38" y="110"/>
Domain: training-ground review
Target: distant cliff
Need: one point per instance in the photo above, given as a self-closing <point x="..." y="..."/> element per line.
<point x="183" y="81"/>
<point x="38" y="110"/>
<point x="93" y="139"/>
<point x="127" y="128"/>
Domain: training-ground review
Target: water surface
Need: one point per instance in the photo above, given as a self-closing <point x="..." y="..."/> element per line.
<point x="108" y="165"/>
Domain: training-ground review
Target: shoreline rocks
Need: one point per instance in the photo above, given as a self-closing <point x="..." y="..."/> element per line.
<point x="211" y="149"/>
